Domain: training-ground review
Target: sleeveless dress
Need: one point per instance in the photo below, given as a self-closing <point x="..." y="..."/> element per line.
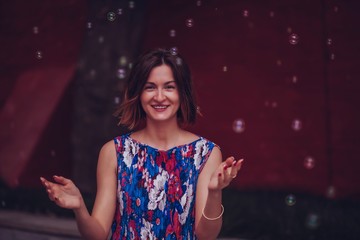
<point x="156" y="189"/>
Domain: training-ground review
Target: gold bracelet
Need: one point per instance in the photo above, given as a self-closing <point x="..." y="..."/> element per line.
<point x="215" y="218"/>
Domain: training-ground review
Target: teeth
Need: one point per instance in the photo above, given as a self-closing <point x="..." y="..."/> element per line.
<point x="159" y="107"/>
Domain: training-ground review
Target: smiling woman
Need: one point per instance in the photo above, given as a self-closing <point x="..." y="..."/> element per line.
<point x="158" y="181"/>
<point x="160" y="98"/>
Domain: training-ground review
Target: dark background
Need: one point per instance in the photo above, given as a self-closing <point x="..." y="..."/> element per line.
<point x="287" y="72"/>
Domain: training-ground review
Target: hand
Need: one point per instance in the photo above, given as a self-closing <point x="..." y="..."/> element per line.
<point x="225" y="173"/>
<point x="63" y="192"/>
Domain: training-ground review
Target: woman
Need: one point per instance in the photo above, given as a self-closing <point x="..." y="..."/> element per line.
<point x="159" y="181"/>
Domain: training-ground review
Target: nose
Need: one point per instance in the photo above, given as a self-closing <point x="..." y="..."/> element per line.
<point x="159" y="95"/>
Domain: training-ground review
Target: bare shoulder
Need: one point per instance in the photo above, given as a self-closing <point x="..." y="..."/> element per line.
<point x="215" y="156"/>
<point x="189" y="136"/>
<point x="108" y="153"/>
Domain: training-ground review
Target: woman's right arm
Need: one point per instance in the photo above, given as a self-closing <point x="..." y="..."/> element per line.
<point x="65" y="194"/>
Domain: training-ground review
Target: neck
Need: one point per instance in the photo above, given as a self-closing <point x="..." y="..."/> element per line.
<point x="163" y="135"/>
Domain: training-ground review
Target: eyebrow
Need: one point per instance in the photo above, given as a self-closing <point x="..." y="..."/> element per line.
<point x="168" y="82"/>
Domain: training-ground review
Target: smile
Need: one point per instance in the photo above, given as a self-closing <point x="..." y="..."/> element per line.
<point x="160" y="107"/>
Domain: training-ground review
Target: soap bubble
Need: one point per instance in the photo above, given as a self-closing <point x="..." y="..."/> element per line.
<point x="173" y="51"/>
<point x="330" y="192"/>
<point x="329" y="41"/>
<point x="296" y="125"/>
<point x="312" y="221"/>
<point x="189" y="22"/>
<point x="111" y="16"/>
<point x="131" y="4"/>
<point x="245" y="13"/>
<point x="39" y="55"/>
<point x="35" y="30"/>
<point x="309" y="162"/>
<point x="121" y="73"/>
<point x="238" y="125"/>
<point x="294" y="79"/>
<point x="293" y="39"/>
<point x="172" y="33"/>
<point x="290" y="200"/>
<point x="89" y="25"/>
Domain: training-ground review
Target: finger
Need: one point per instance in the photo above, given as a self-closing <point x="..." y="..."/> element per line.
<point x="236" y="167"/>
<point x="46" y="183"/>
<point x="229" y="161"/>
<point x="61" y="180"/>
<point x="239" y="163"/>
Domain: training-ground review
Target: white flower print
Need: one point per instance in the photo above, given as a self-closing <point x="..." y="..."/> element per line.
<point x="185" y="202"/>
<point x="200" y="145"/>
<point x="145" y="231"/>
<point x="130" y="149"/>
<point x="157" y="196"/>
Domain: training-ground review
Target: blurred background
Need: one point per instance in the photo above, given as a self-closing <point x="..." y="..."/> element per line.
<point x="277" y="83"/>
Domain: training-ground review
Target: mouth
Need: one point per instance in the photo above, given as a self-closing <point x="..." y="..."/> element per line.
<point x="160" y="107"/>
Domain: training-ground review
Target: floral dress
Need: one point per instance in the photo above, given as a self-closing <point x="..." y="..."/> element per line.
<point x="156" y="189"/>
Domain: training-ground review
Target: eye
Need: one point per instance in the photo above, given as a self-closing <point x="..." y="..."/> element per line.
<point x="149" y="87"/>
<point x="170" y="87"/>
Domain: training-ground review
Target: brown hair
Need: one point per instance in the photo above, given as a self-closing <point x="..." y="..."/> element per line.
<point x="130" y="111"/>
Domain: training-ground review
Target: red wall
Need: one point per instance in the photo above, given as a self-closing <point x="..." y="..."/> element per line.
<point x="244" y="66"/>
<point x="269" y="82"/>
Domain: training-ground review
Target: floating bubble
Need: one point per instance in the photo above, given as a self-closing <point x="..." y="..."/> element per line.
<point x="290" y="200"/>
<point x="173" y="51"/>
<point x="329" y="41"/>
<point x="274" y="104"/>
<point x="131" y="4"/>
<point x="271" y="14"/>
<point x="116" y="100"/>
<point x="279" y="62"/>
<point x="296" y="125"/>
<point x="309" y="162"/>
<point x="3" y="203"/>
<point x="225" y="68"/>
<point x="92" y="73"/>
<point x="172" y="33"/>
<point x="39" y="55"/>
<point x="121" y="73"/>
<point x="111" y="16"/>
<point x="89" y="25"/>
<point x="35" y="30"/>
<point x="119" y="11"/>
<point x="123" y="61"/>
<point x="250" y="25"/>
<point x="332" y="56"/>
<point x="330" y="192"/>
<point x="189" y="22"/>
<point x="293" y="39"/>
<point x="101" y="39"/>
<point x="52" y="153"/>
<point x="245" y="13"/>
<point x="178" y="61"/>
<point x="198" y="3"/>
<point x="336" y="9"/>
<point x="238" y="125"/>
<point x="312" y="221"/>
<point x="289" y="30"/>
<point x="294" y="79"/>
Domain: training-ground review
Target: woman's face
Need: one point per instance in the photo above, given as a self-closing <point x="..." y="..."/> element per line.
<point x="160" y="97"/>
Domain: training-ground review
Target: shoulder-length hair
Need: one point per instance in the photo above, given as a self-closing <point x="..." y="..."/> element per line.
<point x="130" y="111"/>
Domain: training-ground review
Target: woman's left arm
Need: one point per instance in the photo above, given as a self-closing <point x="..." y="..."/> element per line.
<point x="215" y="176"/>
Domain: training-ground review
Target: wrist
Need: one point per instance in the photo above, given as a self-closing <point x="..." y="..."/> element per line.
<point x="215" y="192"/>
